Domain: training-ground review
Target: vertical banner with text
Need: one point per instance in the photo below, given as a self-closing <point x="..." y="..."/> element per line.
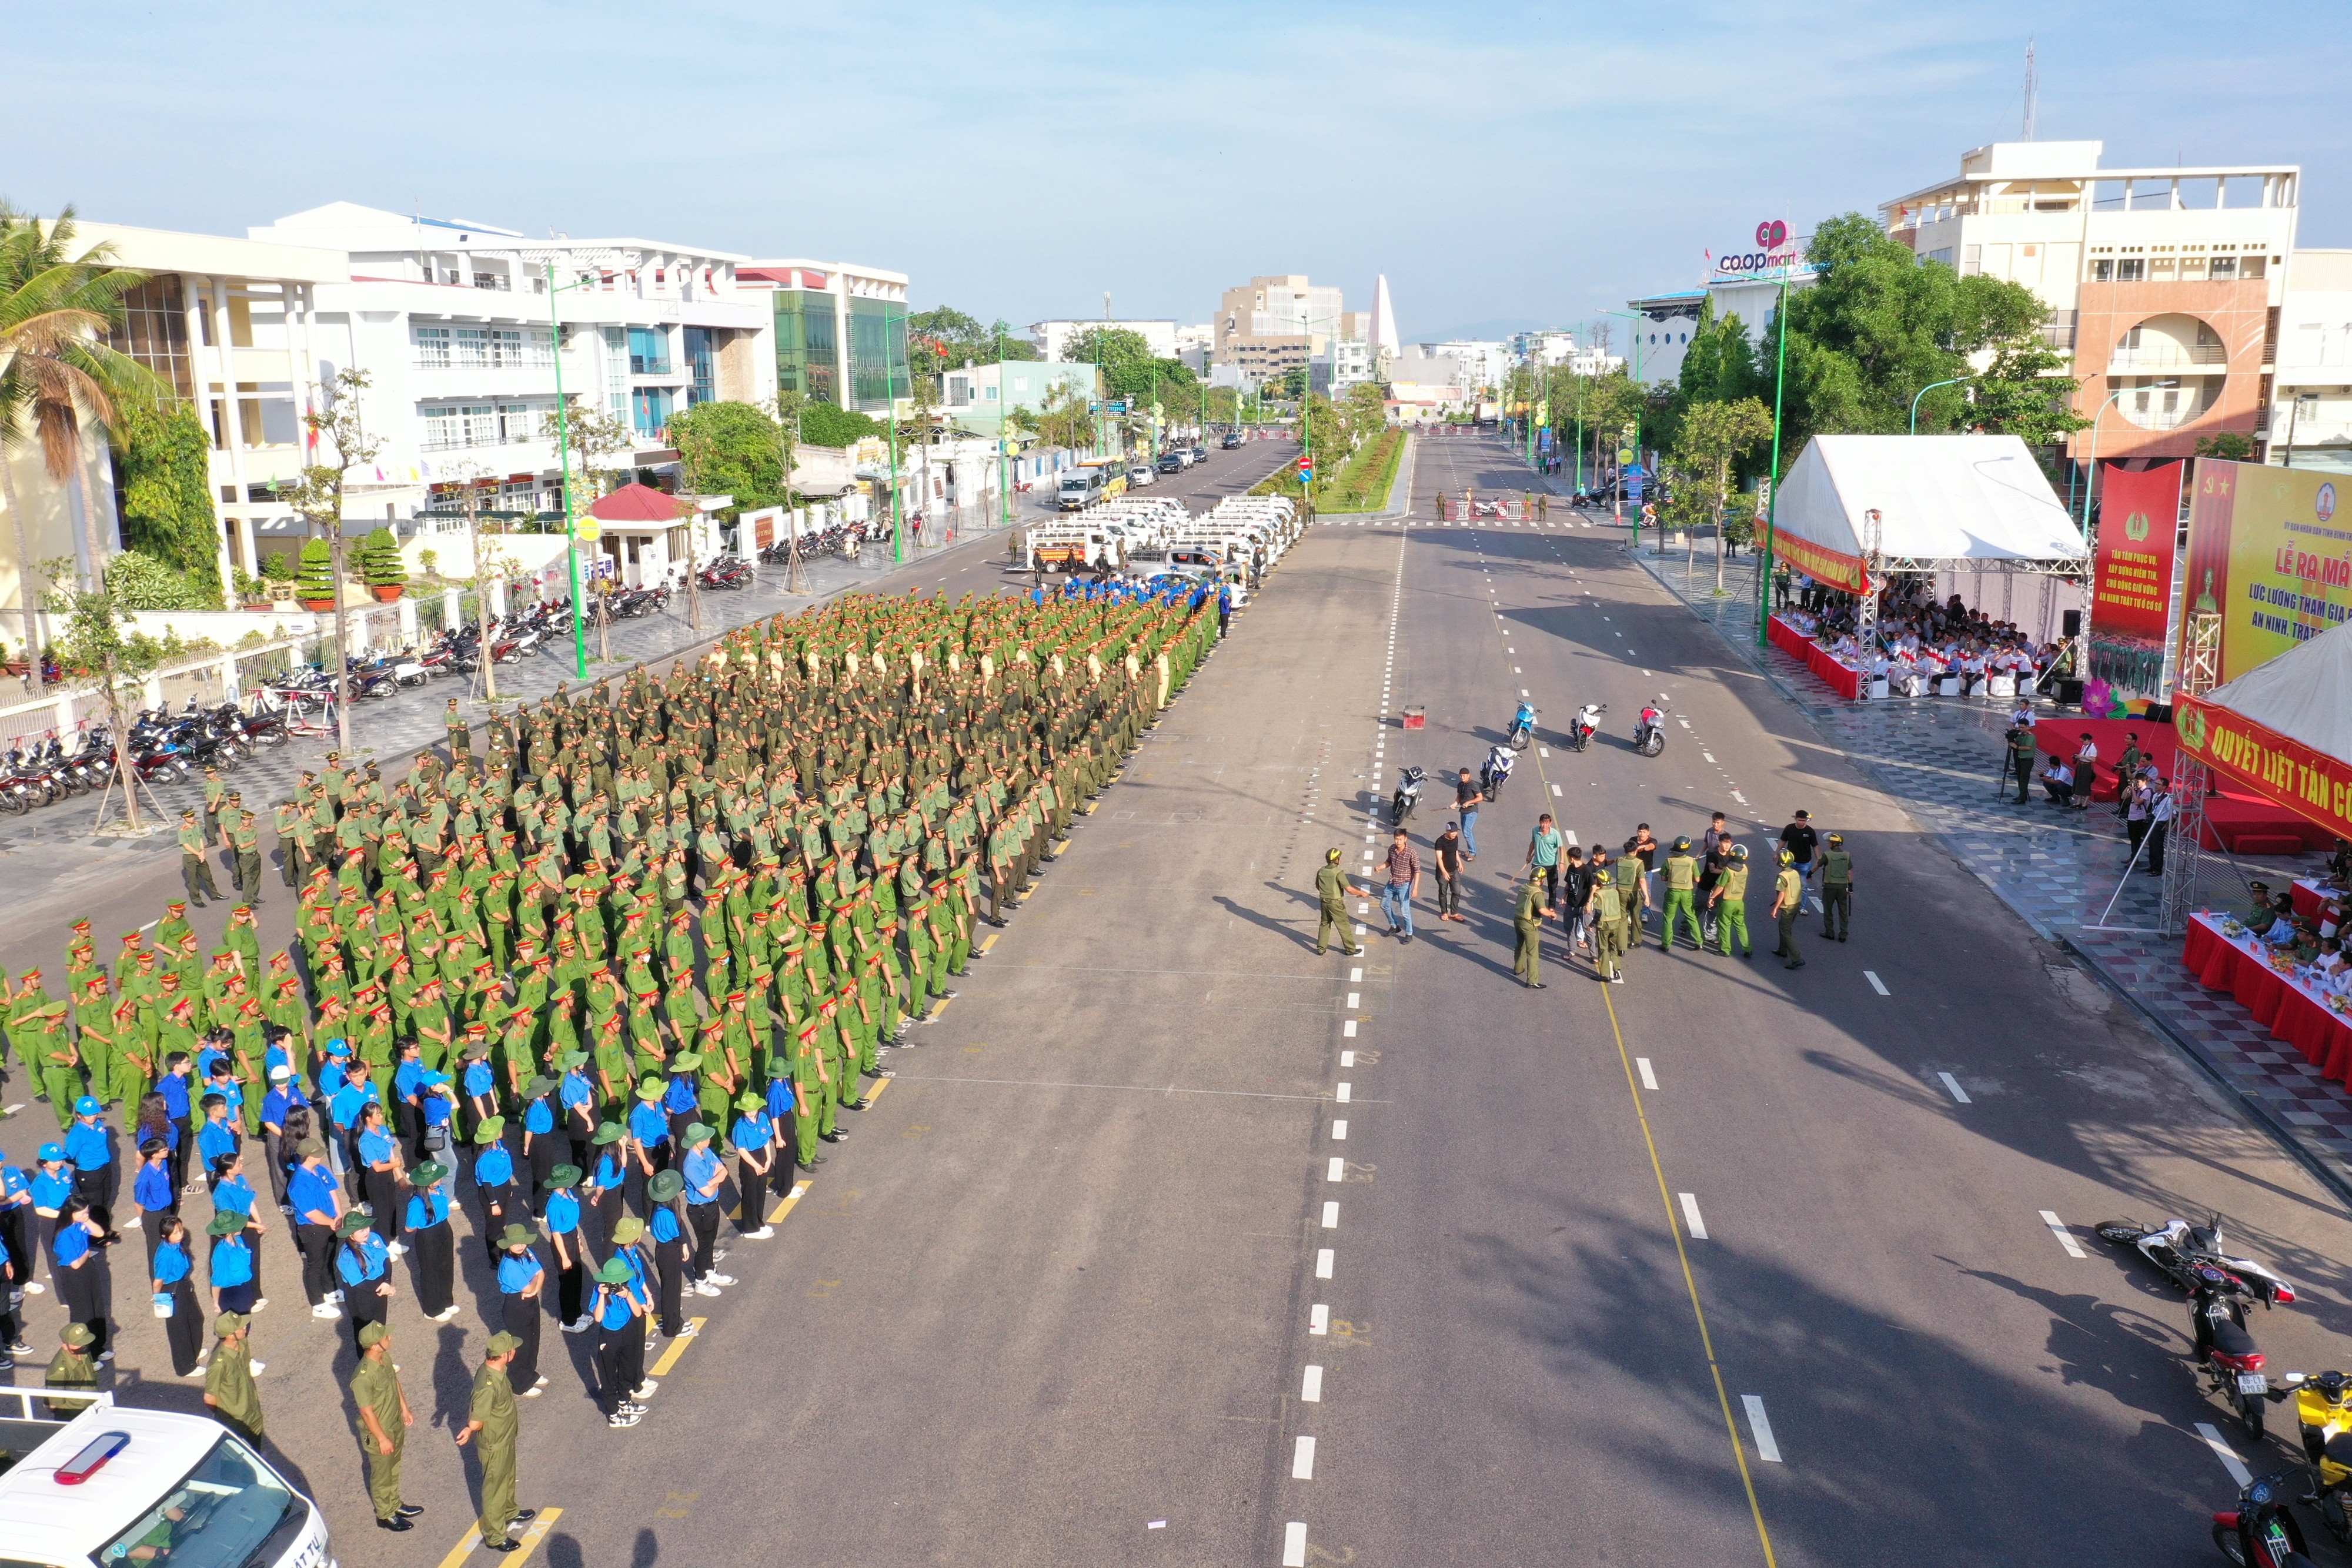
<point x="2269" y="555"/>
<point x="2131" y="595"/>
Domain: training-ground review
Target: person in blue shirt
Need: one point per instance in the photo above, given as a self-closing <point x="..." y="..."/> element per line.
<point x="343" y="1109"/>
<point x="170" y="1267"/>
<point x="407" y="1079"/>
<point x="608" y="1178"/>
<point x="230" y="1266"/>
<point x="224" y="1084"/>
<point x="649" y="1129"/>
<point x="284" y="1097"/>
<point x="478" y="1082"/>
<point x="616" y="1311"/>
<point x="85" y="1284"/>
<point x="90" y="1145"/>
<point x="576" y="1099"/>
<point x="665" y="1228"/>
<point x="52" y="1188"/>
<point x="379" y="1161"/>
<point x="706" y="1175"/>
<point x="541" y="1144"/>
<point x="153" y="1191"/>
<point x="362" y="1263"/>
<point x="563" y="1217"/>
<point x="521" y="1282"/>
<point x="494" y="1181"/>
<point x="16" y="1242"/>
<point x="318" y="1203"/>
<point x="177" y="1087"/>
<point x="681" y="1094"/>
<point x="427" y="1227"/>
<point x="437" y="1101"/>
<point x="217" y="1137"/>
<point x="754" y="1137"/>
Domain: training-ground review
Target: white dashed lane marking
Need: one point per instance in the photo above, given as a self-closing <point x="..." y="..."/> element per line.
<point x="1649" y="1079"/>
<point x="1766" y="1448"/>
<point x="1691" y="1220"/>
<point x="1953" y="1085"/>
<point x="2065" y="1237"/>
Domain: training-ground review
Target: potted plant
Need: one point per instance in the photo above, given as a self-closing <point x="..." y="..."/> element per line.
<point x="252" y="592"/>
<point x="314" y="579"/>
<point x="429" y="561"/>
<point x="380" y="564"/>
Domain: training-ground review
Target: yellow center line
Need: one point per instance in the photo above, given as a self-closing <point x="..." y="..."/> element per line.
<point x="540" y="1525"/>
<point x="677" y="1347"/>
<point x="1690" y="1283"/>
<point x="875" y="1093"/>
<point x="789" y="1199"/>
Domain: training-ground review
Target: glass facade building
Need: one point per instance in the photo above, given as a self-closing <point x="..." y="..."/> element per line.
<point x="808" y="345"/>
<point x="701" y="368"/>
<point x="878" y="353"/>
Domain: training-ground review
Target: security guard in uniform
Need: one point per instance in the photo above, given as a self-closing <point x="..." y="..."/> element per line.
<point x="384" y="1420"/>
<point x="1837" y="890"/>
<point x="1527" y="923"/>
<point x="195" y="873"/>
<point x="1331" y="887"/>
<point x="1605" y="915"/>
<point x="1682" y="890"/>
<point x="1728" y="904"/>
<point x="1788" y="898"/>
<point x="495" y="1415"/>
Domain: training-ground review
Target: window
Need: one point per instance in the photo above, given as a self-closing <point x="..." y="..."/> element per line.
<point x="506" y="348"/>
<point x="2102" y="270"/>
<point x="699" y="366"/>
<point x="539" y="350"/>
<point x="432" y="347"/>
<point x="481" y="425"/>
<point x="473" y="346"/>
<point x="616" y="371"/>
<point x="650" y="410"/>
<point x="2131" y="270"/>
<point x="959" y="391"/>
<point x="2225" y="268"/>
<point x="491" y="281"/>
<point x="154" y="331"/>
<point x="441" y="429"/>
<point x="231" y="1507"/>
<point x="648" y="352"/>
<point x="518" y="421"/>
<point x="2250" y="267"/>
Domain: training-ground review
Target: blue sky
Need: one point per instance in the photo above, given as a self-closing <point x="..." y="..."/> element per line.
<point x="1503" y="164"/>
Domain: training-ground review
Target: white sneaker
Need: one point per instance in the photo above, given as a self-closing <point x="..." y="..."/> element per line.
<point x="706" y="1288"/>
<point x="543" y="1381"/>
<point x="688" y="1331"/>
<point x="760" y="1235"/>
<point x="260" y="1367"/>
<point x="531" y="1393"/>
<point x="326" y="1310"/>
<point x="444" y="1315"/>
<point x="397" y="1250"/>
<point x="583" y="1326"/>
<point x="720" y="1279"/>
<point x="133" y="1223"/>
<point x="644" y="1390"/>
<point x="259" y="1302"/>
<point x="718" y="1255"/>
<point x="34" y="1287"/>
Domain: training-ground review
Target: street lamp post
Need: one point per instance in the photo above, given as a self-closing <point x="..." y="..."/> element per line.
<point x="1931" y="386"/>
<point x="1003" y="413"/>
<point x="2091" y="474"/>
<point x="1772" y="501"/>
<point x="563" y="462"/>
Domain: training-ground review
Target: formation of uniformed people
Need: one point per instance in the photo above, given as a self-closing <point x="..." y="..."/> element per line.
<point x="586" y="990"/>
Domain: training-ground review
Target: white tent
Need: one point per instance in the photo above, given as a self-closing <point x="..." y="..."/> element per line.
<point x="2304" y="694"/>
<point x="1920" y="503"/>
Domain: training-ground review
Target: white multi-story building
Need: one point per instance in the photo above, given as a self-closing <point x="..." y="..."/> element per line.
<point x="1342" y="363"/>
<point x="456" y="326"/>
<point x="1487" y="362"/>
<point x="1162" y="338"/>
<point x="2310" y="419"/>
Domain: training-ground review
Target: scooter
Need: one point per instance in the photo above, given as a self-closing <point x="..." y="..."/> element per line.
<point x="1407" y="796"/>
<point x="2227" y="1356"/>
<point x="1650" y="729"/>
<point x="2178" y="1247"/>
<point x="1497" y="770"/>
<point x="2259" y="1532"/>
<point x="1582" y="727"/>
<point x="1522" y="728"/>
<point x="2323" y="1410"/>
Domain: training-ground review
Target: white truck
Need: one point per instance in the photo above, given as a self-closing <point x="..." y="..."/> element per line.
<point x="87" y="1483"/>
<point x="1066" y="547"/>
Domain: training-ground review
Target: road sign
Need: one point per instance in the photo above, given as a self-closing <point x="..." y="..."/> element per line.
<point x="1306" y="472"/>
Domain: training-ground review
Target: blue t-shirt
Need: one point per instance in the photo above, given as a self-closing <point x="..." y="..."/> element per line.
<point x="87" y="1147"/>
<point x="153" y="1191"/>
<point x="610" y="1174"/>
<point x="310" y="1192"/>
<point x="361" y="1258"/>
<point x="575" y="1091"/>
<point x="171" y="1263"/>
<point x="614" y="1313"/>
<point x="478" y="1080"/>
<point x="332" y="1076"/>
<point x="376" y="1148"/>
<point x="701" y="1174"/>
<point x="537" y="1118"/>
<point x="647" y="1125"/>
<point x="681" y="1095"/>
<point x="50" y="1190"/>
<point x="215" y="1139"/>
<point x="345" y="1106"/>
<point x="206" y="1056"/>
<point x="517" y="1270"/>
<point x="405" y="1080"/>
<point x="662" y="1225"/>
<point x="235" y="1195"/>
<point x="427" y="1209"/>
<point x="232" y="1263"/>
<point x="436" y="1110"/>
<point x="752" y="1130"/>
<point x="174" y="1090"/>
<point x="276" y="1104"/>
<point x="493" y="1166"/>
<point x="71" y="1246"/>
<point x="231" y="1092"/>
<point x="780" y="1098"/>
<point x="562" y="1213"/>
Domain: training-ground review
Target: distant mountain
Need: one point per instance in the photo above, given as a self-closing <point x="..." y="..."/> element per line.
<point x="1488" y="330"/>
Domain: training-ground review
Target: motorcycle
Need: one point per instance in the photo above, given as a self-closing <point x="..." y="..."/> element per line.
<point x="1491" y="778"/>
<point x="2227" y="1356"/>
<point x="1407" y="796"/>
<point x="1585" y="724"/>
<point x="2178" y="1248"/>
<point x="1522" y="728"/>
<point x="2259" y="1532"/>
<point x="1650" y="729"/>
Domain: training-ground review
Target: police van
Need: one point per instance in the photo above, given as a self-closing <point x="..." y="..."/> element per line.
<point x="90" y="1487"/>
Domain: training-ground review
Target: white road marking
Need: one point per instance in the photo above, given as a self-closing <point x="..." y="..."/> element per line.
<point x="1339" y="1131"/>
<point x="1294" y="1545"/>
<point x="1523" y="691"/>
<point x="1337" y="1170"/>
<point x="1302" y="1461"/>
<point x="1554" y="788"/>
<point x="1345" y="1089"/>
<point x="1359" y="924"/>
<point x="1761" y="1425"/>
<point x="2065" y="1237"/>
<point x="1346" y="1058"/>
<point x="1348" y="1030"/>
<point x="1690" y="1216"/>
<point x="1649" y="1079"/>
<point x="1318" y="1319"/>
<point x="1953" y="1085"/>
<point x="1355" y="1000"/>
<point x="1331" y="1216"/>
<point x="1514" y="670"/>
<point x="1355" y="977"/>
<point x="1543" y="751"/>
<point x="2223" y="1452"/>
<point x="1323" y="1263"/>
<point x="1311" y="1388"/>
<point x="1875" y="983"/>
<point x="1709" y="755"/>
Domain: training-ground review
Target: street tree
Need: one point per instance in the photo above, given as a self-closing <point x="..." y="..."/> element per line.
<point x="97" y="646"/>
<point x="341" y="443"/>
<point x="1713" y="438"/>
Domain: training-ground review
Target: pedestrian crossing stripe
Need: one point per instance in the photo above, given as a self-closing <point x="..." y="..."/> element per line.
<point x="677" y="1348"/>
<point x="524" y="1546"/>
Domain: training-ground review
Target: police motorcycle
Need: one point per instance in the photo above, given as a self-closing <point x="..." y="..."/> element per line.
<point x="1522" y="728"/>
<point x="1650" y="729"/>
<point x="1499" y="762"/>
<point x="1585" y="724"/>
<point x="1407" y="796"/>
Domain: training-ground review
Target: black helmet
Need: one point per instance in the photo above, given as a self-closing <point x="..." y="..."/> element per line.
<point x="1682" y="843"/>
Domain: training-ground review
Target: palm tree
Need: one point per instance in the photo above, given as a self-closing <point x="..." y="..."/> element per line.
<point x="56" y="372"/>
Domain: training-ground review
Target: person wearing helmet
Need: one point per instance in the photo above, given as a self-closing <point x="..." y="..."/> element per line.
<point x="1727" y="902"/>
<point x="1682" y="890"/>
<point x="1331" y="887"/>
<point x="1604" y="915"/>
<point x="1788" y="898"/>
<point x="1837" y="889"/>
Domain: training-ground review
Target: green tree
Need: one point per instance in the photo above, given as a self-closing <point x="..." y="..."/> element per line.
<point x="139" y="581"/>
<point x="2022" y="391"/>
<point x="163" y="466"/>
<point x="2232" y="446"/>
<point x="380" y="562"/>
<point x="824" y="425"/>
<point x="97" y="646"/>
<point x="1712" y="440"/>
<point x="594" y="433"/>
<point x="731" y="449"/>
<point x="55" y="307"/>
<point x="315" y="579"/>
<point x="959" y="340"/>
<point x="341" y="443"/>
<point x="1066" y="419"/>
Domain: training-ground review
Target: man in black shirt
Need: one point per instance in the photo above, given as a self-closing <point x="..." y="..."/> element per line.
<point x="1447" y="847"/>
<point x="1800" y="840"/>
<point x="1715" y="855"/>
<point x="1467" y="798"/>
<point x="1575" y="892"/>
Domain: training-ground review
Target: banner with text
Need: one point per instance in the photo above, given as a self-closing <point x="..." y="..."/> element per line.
<point x="2313" y="785"/>
<point x="2267" y="553"/>
<point x="2131" y="595"/>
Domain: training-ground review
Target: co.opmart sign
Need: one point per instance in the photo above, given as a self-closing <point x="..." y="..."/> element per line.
<point x="1774" y="252"/>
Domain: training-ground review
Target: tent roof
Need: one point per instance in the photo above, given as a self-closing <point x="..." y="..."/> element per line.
<point x="1939" y="498"/>
<point x="637" y="503"/>
<point x="2304" y="693"/>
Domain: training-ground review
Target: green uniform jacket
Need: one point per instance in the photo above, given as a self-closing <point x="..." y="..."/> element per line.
<point x="229" y="1380"/>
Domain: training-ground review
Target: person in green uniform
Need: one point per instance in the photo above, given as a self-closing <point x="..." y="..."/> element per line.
<point x="245" y="837"/>
<point x="1331" y="887"/>
<point x="1728" y="904"/>
<point x="71" y="1367"/>
<point x="195" y="872"/>
<point x="2020" y="759"/>
<point x="1527" y="923"/>
<point x="229" y="1393"/>
<point x="1605" y="916"/>
<point x="1837" y="889"/>
<point x="498" y="1420"/>
<point x="1682" y="889"/>
<point x="384" y="1421"/>
<point x="1788" y="897"/>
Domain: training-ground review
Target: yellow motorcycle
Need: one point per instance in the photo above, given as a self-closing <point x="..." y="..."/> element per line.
<point x="2323" y="1410"/>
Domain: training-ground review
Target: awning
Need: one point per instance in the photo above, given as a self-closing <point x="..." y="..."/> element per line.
<point x="1919" y="501"/>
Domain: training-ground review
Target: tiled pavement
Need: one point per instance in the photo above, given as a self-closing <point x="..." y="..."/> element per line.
<point x="2060" y="872"/>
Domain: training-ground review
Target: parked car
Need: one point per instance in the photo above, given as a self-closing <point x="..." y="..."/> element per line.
<point x="1140" y="475"/>
<point x="1171" y="463"/>
<point x="1233" y="439"/>
<point x="1199" y="453"/>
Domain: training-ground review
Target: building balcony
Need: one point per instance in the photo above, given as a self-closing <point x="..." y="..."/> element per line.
<point x="2157" y="359"/>
<point x="642" y="365"/>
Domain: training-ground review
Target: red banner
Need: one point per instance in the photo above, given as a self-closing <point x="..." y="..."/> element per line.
<point x="1832" y="568"/>
<point x="2132" y="568"/>
<point x="2310" y="783"/>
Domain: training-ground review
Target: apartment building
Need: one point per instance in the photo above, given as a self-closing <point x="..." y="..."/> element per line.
<point x="840" y="332"/>
<point x="467" y="329"/>
<point x="2310" y="417"/>
<point x="2165" y="284"/>
<point x="976" y="397"/>
<point x="1273" y="325"/>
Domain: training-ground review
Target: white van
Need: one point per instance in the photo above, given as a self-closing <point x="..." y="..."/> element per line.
<point x="1080" y="488"/>
<point x="95" y="1486"/>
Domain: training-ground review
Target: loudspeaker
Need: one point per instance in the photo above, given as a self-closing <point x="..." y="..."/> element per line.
<point x="2072" y="625"/>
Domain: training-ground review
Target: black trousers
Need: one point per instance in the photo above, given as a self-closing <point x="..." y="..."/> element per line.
<point x="384" y="1196"/>
<point x="178" y="1158"/>
<point x="97" y="1190"/>
<point x="1449" y="896"/>
<point x="364" y="1306"/>
<point x="704" y="1219"/>
<point x="2156" y="835"/>
<point x="569" y="1283"/>
<point x="610" y="1389"/>
<point x="633" y="1354"/>
<point x="669" y="1266"/>
<point x="184" y="1328"/>
<point x="434" y="1253"/>
<point x="316" y="1243"/>
<point x="520" y="1316"/>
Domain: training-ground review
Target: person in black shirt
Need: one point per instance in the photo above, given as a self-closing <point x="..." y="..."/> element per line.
<point x="1800" y="840"/>
<point x="1467" y="798"/>
<point x="1575" y="892"/>
<point x="1715" y="850"/>
<point x="1447" y="847"/>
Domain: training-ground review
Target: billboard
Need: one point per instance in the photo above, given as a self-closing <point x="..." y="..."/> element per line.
<point x="2269" y="554"/>
<point x="2131" y="577"/>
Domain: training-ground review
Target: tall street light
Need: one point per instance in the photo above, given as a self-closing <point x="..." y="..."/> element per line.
<point x="1772" y="501"/>
<point x="1637" y="318"/>
<point x="563" y="462"/>
<point x="2091" y="478"/>
<point x="1931" y="386"/>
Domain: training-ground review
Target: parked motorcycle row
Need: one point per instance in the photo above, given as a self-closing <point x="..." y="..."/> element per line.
<point x="840" y="538"/>
<point x="2262" y="1531"/>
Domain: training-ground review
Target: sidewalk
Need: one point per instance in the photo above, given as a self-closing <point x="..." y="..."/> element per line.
<point x="1938" y="756"/>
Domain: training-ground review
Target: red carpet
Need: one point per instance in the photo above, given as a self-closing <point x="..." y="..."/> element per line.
<point x="2233" y="821"/>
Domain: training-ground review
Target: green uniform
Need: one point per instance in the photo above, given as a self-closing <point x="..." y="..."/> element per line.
<point x="1837" y="894"/>
<point x="2021" y="760"/>
<point x="69" y="1368"/>
<point x="247" y="840"/>
<point x="195" y="872"/>
<point x="1630" y="883"/>
<point x="1331" y="887"/>
<point x="1608" y="929"/>
<point x="494" y="1407"/>
<point x="1682" y="887"/>
<point x="1731" y="908"/>
<point x="1791" y="889"/>
<point x="229" y="1380"/>
<point x="376" y="1386"/>
<point x="1528" y="922"/>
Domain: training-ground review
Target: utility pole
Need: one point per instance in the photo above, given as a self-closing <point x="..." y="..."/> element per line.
<point x="1772" y="502"/>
